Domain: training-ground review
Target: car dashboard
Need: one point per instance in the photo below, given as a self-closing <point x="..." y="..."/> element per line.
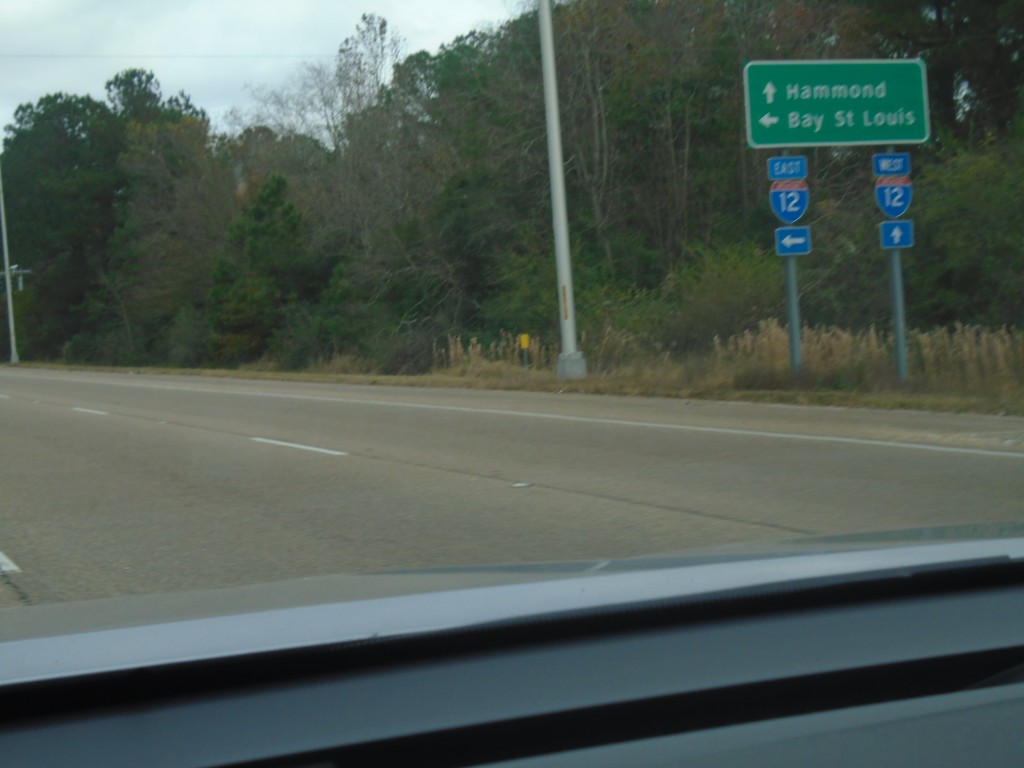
<point x="920" y="662"/>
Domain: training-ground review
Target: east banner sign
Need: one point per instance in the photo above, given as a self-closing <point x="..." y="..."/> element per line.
<point x="836" y="102"/>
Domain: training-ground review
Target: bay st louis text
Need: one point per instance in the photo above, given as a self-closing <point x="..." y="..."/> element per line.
<point x="845" y="118"/>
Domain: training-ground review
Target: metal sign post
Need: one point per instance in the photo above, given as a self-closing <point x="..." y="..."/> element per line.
<point x="894" y="236"/>
<point x="899" y="318"/>
<point x="571" y="364"/>
<point x="789" y="198"/>
<point x="893" y="193"/>
<point x="793" y="316"/>
<point x="7" y="276"/>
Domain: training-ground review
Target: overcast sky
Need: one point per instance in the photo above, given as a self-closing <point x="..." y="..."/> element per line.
<point x="214" y="50"/>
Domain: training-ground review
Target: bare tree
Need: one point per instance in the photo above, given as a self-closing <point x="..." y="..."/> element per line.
<point x="320" y="97"/>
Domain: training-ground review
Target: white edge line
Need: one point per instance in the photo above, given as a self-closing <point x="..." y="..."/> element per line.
<point x="92" y="411"/>
<point x="654" y="425"/>
<point x="5" y="397"/>
<point x="7" y="565"/>
<point x="299" y="446"/>
<point x="590" y="420"/>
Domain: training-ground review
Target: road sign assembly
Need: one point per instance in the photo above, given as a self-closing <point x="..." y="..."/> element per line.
<point x="834" y="103"/>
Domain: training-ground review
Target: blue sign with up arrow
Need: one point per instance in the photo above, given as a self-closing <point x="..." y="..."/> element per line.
<point x="896" y="234"/>
<point x="793" y="241"/>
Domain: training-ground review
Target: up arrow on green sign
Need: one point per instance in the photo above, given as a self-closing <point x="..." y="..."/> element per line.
<point x="834" y="103"/>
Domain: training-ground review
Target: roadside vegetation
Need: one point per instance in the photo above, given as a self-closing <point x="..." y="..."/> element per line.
<point x="387" y="214"/>
<point x="962" y="369"/>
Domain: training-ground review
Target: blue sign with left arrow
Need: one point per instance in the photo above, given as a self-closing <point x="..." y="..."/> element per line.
<point x="896" y="234"/>
<point x="793" y="241"/>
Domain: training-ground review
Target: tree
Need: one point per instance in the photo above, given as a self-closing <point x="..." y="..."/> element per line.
<point x="172" y="230"/>
<point x="62" y="185"/>
<point x="135" y="96"/>
<point x="967" y="265"/>
<point x="155" y="252"/>
<point x="320" y="98"/>
<point x="264" y="268"/>
<point x="81" y="218"/>
<point x="973" y="52"/>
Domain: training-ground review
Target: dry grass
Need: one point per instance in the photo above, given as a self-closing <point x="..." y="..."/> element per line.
<point x="966" y="368"/>
<point x="964" y="360"/>
<point x="473" y="359"/>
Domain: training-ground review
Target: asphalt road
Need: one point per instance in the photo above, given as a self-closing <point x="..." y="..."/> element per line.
<point x="132" y="484"/>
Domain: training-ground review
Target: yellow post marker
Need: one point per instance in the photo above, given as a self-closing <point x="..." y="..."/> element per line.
<point x="524" y="349"/>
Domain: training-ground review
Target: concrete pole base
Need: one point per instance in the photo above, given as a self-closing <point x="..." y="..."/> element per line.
<point x="571" y="365"/>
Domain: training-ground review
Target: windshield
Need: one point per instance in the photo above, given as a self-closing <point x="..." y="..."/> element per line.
<point x="383" y="298"/>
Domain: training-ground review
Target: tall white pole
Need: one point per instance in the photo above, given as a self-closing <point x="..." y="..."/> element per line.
<point x="571" y="364"/>
<point x="7" y="275"/>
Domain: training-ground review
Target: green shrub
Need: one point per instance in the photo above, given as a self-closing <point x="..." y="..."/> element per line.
<point x="721" y="293"/>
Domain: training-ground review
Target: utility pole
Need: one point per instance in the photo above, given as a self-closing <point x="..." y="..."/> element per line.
<point x="571" y="364"/>
<point x="7" y="275"/>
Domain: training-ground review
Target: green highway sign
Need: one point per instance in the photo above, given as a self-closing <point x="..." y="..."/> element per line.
<point x="836" y="102"/>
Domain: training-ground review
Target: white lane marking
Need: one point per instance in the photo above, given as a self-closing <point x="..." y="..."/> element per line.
<point x="92" y="411"/>
<point x="862" y="441"/>
<point x="301" y="447"/>
<point x="5" y="397"/>
<point x="7" y="565"/>
<point x="645" y="424"/>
